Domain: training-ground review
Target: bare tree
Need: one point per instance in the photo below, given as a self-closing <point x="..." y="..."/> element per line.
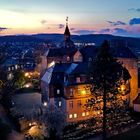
<point x="55" y="120"/>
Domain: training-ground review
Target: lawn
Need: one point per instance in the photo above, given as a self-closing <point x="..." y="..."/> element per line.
<point x="130" y="135"/>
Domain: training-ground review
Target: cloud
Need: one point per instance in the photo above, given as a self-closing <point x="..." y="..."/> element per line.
<point x="134" y="9"/>
<point x="112" y="23"/>
<point x="84" y="32"/>
<point x="72" y="29"/>
<point x="138" y="10"/>
<point x="43" y="21"/>
<point x="134" y="21"/>
<point x="106" y="30"/>
<point x="120" y="31"/>
<point x="60" y="26"/>
<point x="2" y="29"/>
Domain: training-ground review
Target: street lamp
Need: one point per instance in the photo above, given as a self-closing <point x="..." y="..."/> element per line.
<point x="26" y="74"/>
<point x="123" y="88"/>
<point x="45" y="103"/>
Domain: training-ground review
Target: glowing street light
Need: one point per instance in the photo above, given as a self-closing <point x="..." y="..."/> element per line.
<point x="27" y="85"/>
<point x="30" y="124"/>
<point x="45" y="104"/>
<point x="123" y="88"/>
<point x="26" y="74"/>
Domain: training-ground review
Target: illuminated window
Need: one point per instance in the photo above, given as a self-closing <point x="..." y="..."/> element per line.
<point x="45" y="103"/>
<point x="59" y="103"/>
<point x="83" y="114"/>
<point x="79" y="103"/>
<point x="10" y="76"/>
<point x="70" y="116"/>
<point x="87" y="113"/>
<point x="83" y="92"/>
<point x="68" y="58"/>
<point x="12" y="68"/>
<point x="71" y="104"/>
<point x="78" y="57"/>
<point x="16" y="67"/>
<point x="75" y="115"/>
<point x="58" y="91"/>
<point x="9" y="68"/>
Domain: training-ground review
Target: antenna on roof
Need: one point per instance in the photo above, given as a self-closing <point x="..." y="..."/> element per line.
<point x="67" y="19"/>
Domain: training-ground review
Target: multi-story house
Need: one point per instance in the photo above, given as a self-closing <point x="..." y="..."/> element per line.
<point x="64" y="82"/>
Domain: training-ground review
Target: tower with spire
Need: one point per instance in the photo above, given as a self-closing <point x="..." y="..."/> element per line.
<point x="67" y="32"/>
<point x="67" y="43"/>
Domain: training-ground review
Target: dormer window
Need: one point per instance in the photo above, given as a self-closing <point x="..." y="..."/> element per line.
<point x="59" y="103"/>
<point x="78" y="80"/>
<point x="58" y="91"/>
<point x="68" y="58"/>
<point x="78" y="57"/>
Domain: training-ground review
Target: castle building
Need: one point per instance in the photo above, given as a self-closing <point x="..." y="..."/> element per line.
<point x="64" y="82"/>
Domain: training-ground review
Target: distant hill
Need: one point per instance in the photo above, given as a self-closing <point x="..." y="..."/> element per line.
<point x="20" y="38"/>
<point x="96" y="38"/>
<point x="133" y="43"/>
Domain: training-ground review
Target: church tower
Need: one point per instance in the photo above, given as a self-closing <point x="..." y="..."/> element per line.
<point x="67" y="32"/>
<point x="68" y="43"/>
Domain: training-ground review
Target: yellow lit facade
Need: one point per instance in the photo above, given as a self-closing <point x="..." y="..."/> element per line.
<point x="75" y="102"/>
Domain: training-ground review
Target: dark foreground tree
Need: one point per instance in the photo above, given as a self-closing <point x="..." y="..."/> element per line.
<point x="5" y="130"/>
<point x="106" y="76"/>
<point x="9" y="85"/>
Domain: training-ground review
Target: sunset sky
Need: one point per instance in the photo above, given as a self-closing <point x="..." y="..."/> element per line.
<point x="118" y="17"/>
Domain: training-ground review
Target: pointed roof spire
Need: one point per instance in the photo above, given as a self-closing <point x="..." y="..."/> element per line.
<point x="67" y="32"/>
<point x="67" y="19"/>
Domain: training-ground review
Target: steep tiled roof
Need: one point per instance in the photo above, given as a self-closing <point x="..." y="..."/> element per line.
<point x="47" y="76"/>
<point x="61" y="52"/>
<point x="123" y="52"/>
<point x="61" y="67"/>
<point x="81" y="68"/>
<point x="58" y="73"/>
<point x="120" y="52"/>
